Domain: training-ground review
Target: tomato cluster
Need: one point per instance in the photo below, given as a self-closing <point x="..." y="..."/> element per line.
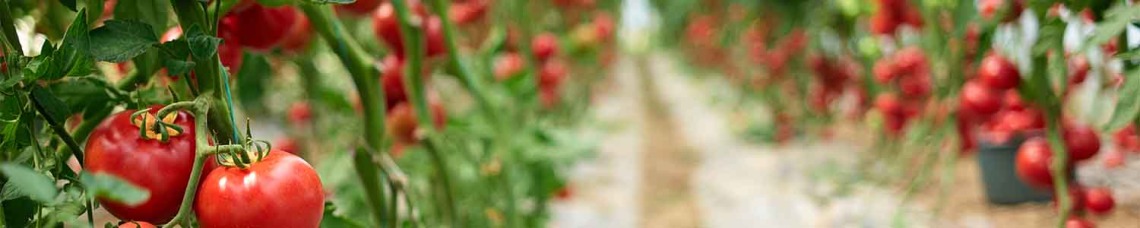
<point x="908" y="72"/>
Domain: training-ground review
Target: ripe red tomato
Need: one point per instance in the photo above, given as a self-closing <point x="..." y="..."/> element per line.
<point x="1099" y="200"/>
<point x="136" y="225"/>
<point x="508" y="65"/>
<point x="890" y="105"/>
<point x="230" y="50"/>
<point x="392" y="80"/>
<point x="262" y="28"/>
<point x="402" y="123"/>
<point x="544" y="46"/>
<point x="883" y="24"/>
<point x="1034" y="160"/>
<point x="552" y="74"/>
<point x="987" y="8"/>
<point x="299" y="35"/>
<point x="1018" y="120"/>
<point x="300" y="113"/>
<point x="884" y="70"/>
<point x="915" y="86"/>
<point x="468" y="12"/>
<point x="1081" y="142"/>
<point x="979" y="99"/>
<point x="1078" y="222"/>
<point x="1078" y="69"/>
<point x="386" y="25"/>
<point x="1127" y="139"/>
<point x="360" y="7"/>
<point x="603" y="25"/>
<point x="171" y="34"/>
<point x="1012" y="101"/>
<point x="162" y="168"/>
<point x="281" y="190"/>
<point x="998" y="73"/>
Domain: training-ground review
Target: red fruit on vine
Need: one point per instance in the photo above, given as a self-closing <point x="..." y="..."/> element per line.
<point x="171" y="34"/>
<point x="1078" y="222"/>
<point x="1113" y="159"/>
<point x="262" y="28"/>
<point x="890" y="105"/>
<point x="468" y="12"/>
<point x="987" y="8"/>
<point x="1034" y="163"/>
<point x="564" y="193"/>
<point x="544" y="46"/>
<point x="1013" y="121"/>
<point x="386" y="25"/>
<point x="508" y="65"/>
<point x="1078" y="69"/>
<point x="117" y="147"/>
<point x="603" y="25"/>
<point x="1081" y="142"/>
<point x="552" y="74"/>
<point x="286" y="144"/>
<point x="279" y="190"/>
<point x="230" y="50"/>
<point x="358" y="8"/>
<point x="883" y="24"/>
<point x="884" y="70"/>
<point x="1127" y="139"/>
<point x="911" y="61"/>
<point x="300" y="113"/>
<point x="392" y="81"/>
<point x="998" y="73"/>
<point x="299" y="35"/>
<point x="979" y="99"/>
<point x="136" y="224"/>
<point x="915" y="86"/>
<point x="402" y="124"/>
<point x="1099" y="200"/>
<point x="1012" y="101"/>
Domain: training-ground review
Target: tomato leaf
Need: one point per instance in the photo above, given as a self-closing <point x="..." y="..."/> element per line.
<point x="202" y="46"/>
<point x="71" y="57"/>
<point x="1127" y="104"/>
<point x="28" y="182"/>
<point x="178" y="67"/>
<point x="121" y="40"/>
<point x="332" y="220"/>
<point x="1115" y="20"/>
<point x="154" y="13"/>
<point x="112" y="188"/>
<point x="70" y="4"/>
<point x="8" y="26"/>
<point x="54" y="109"/>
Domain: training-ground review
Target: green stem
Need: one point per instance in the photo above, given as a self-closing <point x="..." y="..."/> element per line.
<point x="57" y="127"/>
<point x="364" y="76"/>
<point x="1059" y="169"/>
<point x="209" y="71"/>
<point x="200" y="107"/>
<point x="445" y="180"/>
<point x="412" y="34"/>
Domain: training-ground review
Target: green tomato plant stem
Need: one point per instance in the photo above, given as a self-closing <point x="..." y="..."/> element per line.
<point x="364" y="76"/>
<point x="210" y="76"/>
<point x="411" y="31"/>
<point x="199" y="107"/>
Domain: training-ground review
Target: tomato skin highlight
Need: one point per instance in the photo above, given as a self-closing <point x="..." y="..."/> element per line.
<point x="1081" y="142"/>
<point x="979" y="99"/>
<point x="281" y="190"/>
<point x="1034" y="163"/>
<point x="998" y="73"/>
<point x="162" y="168"/>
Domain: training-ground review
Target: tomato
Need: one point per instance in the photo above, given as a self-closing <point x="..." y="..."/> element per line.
<point x="162" y="168"/>
<point x="1034" y="162"/>
<point x="884" y="70"/>
<point x="300" y="113"/>
<point x="262" y="28"/>
<point x="603" y="25"/>
<point x="1081" y="142"/>
<point x="299" y="35"/>
<point x="552" y="74"/>
<point x="280" y="190"/>
<point x="402" y="123"/>
<point x="912" y="61"/>
<point x="548" y="96"/>
<point x="915" y="86"/>
<point x="987" y="8"/>
<point x="286" y="144"/>
<point x="230" y="50"/>
<point x="890" y="105"/>
<point x="1078" y="222"/>
<point x="1012" y="101"/>
<point x="979" y="99"/>
<point x="1127" y="139"/>
<point x="1098" y="200"/>
<point x="998" y="73"/>
<point x="508" y="65"/>
<point x="393" y="81"/>
<point x="108" y="9"/>
<point x="136" y="225"/>
<point x="544" y="46"/>
<point x="1078" y="69"/>
<point x="468" y="12"/>
<point x="360" y="7"/>
<point x="386" y="25"/>
<point x="1114" y="159"/>
<point x="883" y="24"/>
<point x="1018" y="120"/>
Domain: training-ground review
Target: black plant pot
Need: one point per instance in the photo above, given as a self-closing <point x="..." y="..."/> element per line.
<point x="999" y="174"/>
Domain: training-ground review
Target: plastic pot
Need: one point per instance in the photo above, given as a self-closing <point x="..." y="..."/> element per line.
<point x="999" y="174"/>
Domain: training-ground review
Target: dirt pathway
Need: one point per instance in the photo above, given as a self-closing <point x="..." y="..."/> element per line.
<point x="669" y="162"/>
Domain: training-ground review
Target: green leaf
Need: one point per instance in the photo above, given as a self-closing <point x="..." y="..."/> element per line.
<point x="28" y="182"/>
<point x="332" y="220"/>
<point x="112" y="188"/>
<point x="1115" y="20"/>
<point x="178" y="67"/>
<point x="121" y="40"/>
<point x="20" y="212"/>
<point x="8" y="25"/>
<point x="71" y="57"/>
<point x="1128" y="103"/>
<point x="81" y="93"/>
<point x="277" y="3"/>
<point x="251" y="80"/>
<point x="202" y="46"/>
<point x="70" y="4"/>
<point x="54" y="109"/>
<point x="154" y="13"/>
